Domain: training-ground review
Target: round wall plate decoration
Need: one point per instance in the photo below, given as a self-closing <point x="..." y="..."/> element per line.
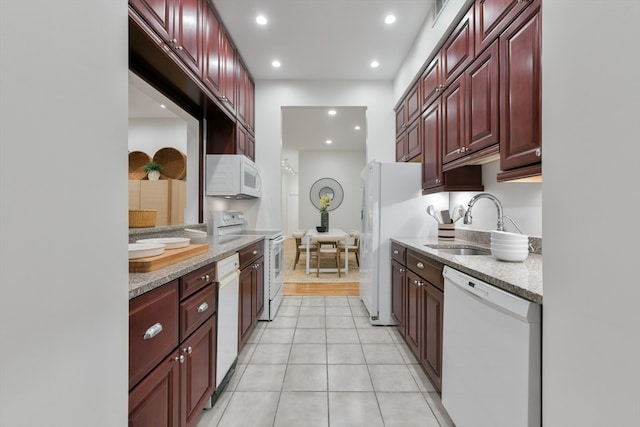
<point x="326" y="187"/>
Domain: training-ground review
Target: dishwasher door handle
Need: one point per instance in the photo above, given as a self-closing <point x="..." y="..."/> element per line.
<point x="229" y="278"/>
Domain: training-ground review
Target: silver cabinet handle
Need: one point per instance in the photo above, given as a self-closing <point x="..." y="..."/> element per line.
<point x="538" y="152"/>
<point x="420" y="265"/>
<point x="187" y="350"/>
<point x="174" y="41"/>
<point x="179" y="359"/>
<point x="152" y="331"/>
<point x="255" y="252"/>
<point x="205" y="277"/>
<point x="203" y="307"/>
<point x="395" y="252"/>
<point x="179" y="48"/>
<point x="402" y="270"/>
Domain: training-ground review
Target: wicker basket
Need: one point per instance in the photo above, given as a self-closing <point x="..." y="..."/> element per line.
<point x="137" y="160"/>
<point x="174" y="163"/>
<point x="142" y="218"/>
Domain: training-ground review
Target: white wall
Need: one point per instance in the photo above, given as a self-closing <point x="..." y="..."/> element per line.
<point x="63" y="251"/>
<point x="150" y="135"/>
<point x="590" y="131"/>
<point x="270" y="96"/>
<point x="344" y="168"/>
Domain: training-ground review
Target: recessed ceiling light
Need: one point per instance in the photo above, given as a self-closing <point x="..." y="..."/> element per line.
<point x="261" y="20"/>
<point x="332" y="112"/>
<point x="357" y="128"/>
<point x="375" y="64"/>
<point x="328" y="141"/>
<point x="275" y="64"/>
<point x="163" y="106"/>
<point x="389" y="19"/>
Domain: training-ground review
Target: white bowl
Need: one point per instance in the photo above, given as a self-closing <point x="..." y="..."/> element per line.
<point x="169" y="242"/>
<point x="505" y="235"/>
<point x="509" y="255"/>
<point x="143" y="250"/>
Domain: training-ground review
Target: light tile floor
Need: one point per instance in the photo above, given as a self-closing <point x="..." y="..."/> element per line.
<point x="321" y="363"/>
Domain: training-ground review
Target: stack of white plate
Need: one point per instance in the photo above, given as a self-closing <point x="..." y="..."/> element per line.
<point x="507" y="246"/>
<point x="168" y="242"/>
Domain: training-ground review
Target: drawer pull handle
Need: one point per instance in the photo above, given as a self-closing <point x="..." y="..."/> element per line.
<point x="205" y="277"/>
<point x="180" y="359"/>
<point x="255" y="252"/>
<point x="395" y="252"/>
<point x="152" y="331"/>
<point x="187" y="350"/>
<point x="203" y="307"/>
<point x="420" y="265"/>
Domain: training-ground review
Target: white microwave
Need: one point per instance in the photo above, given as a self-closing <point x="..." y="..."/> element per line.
<point x="232" y="176"/>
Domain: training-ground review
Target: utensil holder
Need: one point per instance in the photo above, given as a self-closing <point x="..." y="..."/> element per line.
<point x="447" y="232"/>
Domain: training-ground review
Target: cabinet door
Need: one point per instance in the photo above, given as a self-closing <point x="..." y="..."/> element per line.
<point x="453" y="121"/>
<point x="250" y="147"/>
<point x="258" y="277"/>
<point x="492" y="17"/>
<point x="414" y="140"/>
<point x="432" y="146"/>
<point x="401" y="118"/>
<point x="520" y="91"/>
<point x="413" y="309"/>
<point x="188" y="33"/>
<point x="198" y="372"/>
<point x="155" y="401"/>
<point x="458" y="50"/>
<point x="483" y="109"/>
<point x="246" y="313"/>
<point x="412" y="101"/>
<point x="431" y="82"/>
<point x="241" y="139"/>
<point x="228" y="65"/>
<point x="251" y="105"/>
<point x="431" y="335"/>
<point x="158" y="14"/>
<point x="397" y="295"/>
<point x="212" y="67"/>
<point x="401" y="147"/>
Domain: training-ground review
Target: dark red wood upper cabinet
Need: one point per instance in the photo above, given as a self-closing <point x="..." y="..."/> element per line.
<point x="431" y="84"/>
<point x="188" y="33"/>
<point x="431" y="122"/>
<point x="492" y="17"/>
<point x="454" y="120"/>
<point x="212" y="65"/>
<point x="458" y="50"/>
<point x="158" y="14"/>
<point x="520" y="91"/>
<point x="412" y="101"/>
<point x="483" y="108"/>
<point x="229" y="74"/>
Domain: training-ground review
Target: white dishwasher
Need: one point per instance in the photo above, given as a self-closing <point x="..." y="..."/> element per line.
<point x="228" y="288"/>
<point x="491" y="361"/>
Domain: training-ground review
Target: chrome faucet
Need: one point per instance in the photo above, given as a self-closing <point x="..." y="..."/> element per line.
<point x="467" y="216"/>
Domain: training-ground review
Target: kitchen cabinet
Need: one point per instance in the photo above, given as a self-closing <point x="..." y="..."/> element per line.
<point x="492" y="17"/>
<point x="212" y="73"/>
<point x="471" y="113"/>
<point x="432" y="145"/>
<point x="431" y="83"/>
<point x="251" y="293"/>
<point x="408" y="146"/>
<point x="398" y="271"/>
<point x="179" y="24"/>
<point x="422" y="292"/>
<point x="246" y="90"/>
<point x="172" y="351"/>
<point x="521" y="95"/>
<point x="227" y="60"/>
<point x="458" y="51"/>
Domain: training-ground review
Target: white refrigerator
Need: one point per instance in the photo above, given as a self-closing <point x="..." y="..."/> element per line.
<point x="392" y="206"/>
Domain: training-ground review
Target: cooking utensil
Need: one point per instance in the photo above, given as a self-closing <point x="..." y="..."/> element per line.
<point x="431" y="210"/>
<point x="446" y="217"/>
<point x="457" y="213"/>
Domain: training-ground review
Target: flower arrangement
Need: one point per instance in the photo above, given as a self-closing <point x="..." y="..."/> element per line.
<point x="325" y="201"/>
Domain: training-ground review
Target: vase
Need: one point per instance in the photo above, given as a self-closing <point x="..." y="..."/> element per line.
<point x="154" y="175"/>
<point x="324" y="220"/>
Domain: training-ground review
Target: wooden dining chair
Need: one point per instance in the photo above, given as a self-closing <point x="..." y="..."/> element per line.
<point x="302" y="247"/>
<point x="327" y="247"/>
<point x="352" y="246"/>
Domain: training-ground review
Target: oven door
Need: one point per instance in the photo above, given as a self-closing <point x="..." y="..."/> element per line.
<point x="277" y="254"/>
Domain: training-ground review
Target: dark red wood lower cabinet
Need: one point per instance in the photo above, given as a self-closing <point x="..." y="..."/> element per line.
<point x="431" y="337"/>
<point x="155" y="400"/>
<point x="397" y="295"/>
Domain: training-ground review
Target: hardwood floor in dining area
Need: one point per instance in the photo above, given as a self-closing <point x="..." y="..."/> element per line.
<point x="318" y="289"/>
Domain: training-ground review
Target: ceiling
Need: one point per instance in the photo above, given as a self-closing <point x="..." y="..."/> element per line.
<point x="313" y="40"/>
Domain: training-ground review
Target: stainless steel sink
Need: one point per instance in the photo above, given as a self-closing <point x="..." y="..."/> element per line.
<point x="460" y="250"/>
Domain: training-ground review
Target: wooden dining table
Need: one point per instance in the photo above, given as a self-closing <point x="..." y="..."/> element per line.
<point x="333" y="232"/>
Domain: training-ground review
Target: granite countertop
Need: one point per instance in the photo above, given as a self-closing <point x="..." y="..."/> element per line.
<point x="219" y="248"/>
<point x="523" y="279"/>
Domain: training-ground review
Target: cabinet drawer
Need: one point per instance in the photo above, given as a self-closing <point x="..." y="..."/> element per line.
<point x="427" y="268"/>
<point x="195" y="310"/>
<point x="196" y="280"/>
<point x="153" y="329"/>
<point x="398" y="253"/>
<point x="250" y="253"/>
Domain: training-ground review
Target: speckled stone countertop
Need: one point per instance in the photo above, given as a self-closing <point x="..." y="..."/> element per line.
<point x="139" y="283"/>
<point x="523" y="279"/>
